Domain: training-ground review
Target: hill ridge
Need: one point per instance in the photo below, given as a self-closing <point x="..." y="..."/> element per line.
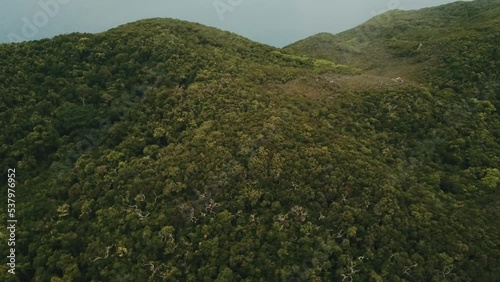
<point x="168" y="151"/>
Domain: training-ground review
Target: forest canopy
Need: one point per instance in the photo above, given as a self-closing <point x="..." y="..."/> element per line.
<point x="163" y="150"/>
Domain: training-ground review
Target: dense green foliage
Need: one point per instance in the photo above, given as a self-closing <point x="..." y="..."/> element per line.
<point x="168" y="151"/>
<point x="456" y="43"/>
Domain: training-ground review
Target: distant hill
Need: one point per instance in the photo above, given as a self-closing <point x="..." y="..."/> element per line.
<point x="163" y="150"/>
<point x="417" y="44"/>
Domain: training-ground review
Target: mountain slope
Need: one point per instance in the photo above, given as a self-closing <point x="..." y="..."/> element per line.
<point x="164" y="150"/>
<point x="417" y="45"/>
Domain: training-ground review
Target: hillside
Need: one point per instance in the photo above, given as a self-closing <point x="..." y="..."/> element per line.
<point x="163" y="150"/>
<point x="418" y="45"/>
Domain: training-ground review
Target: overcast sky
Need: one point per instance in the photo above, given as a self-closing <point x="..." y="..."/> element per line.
<point x="274" y="22"/>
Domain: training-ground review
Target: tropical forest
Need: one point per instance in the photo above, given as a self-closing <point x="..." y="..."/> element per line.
<point x="166" y="150"/>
